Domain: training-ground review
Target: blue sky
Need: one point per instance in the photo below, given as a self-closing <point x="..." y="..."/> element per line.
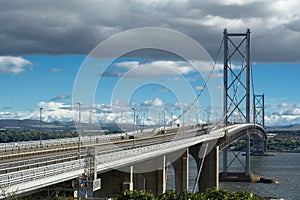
<point x="41" y="52"/>
<point x="49" y="80"/>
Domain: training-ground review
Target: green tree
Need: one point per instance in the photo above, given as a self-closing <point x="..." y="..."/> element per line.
<point x="243" y="195"/>
<point x="185" y="195"/>
<point x="136" y="195"/>
<point x="213" y="193"/>
<point x="209" y="194"/>
<point x="169" y="195"/>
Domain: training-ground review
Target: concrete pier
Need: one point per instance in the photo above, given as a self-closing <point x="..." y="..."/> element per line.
<point x="113" y="183"/>
<point x="181" y="168"/>
<point x="209" y="177"/>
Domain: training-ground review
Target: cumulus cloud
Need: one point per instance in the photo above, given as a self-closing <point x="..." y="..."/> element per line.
<point x="54" y="111"/>
<point x="77" y="27"/>
<point x="151" y="111"/>
<point x="13" y="65"/>
<point x="155" y="68"/>
<point x="153" y="102"/>
<point x="161" y="68"/>
<point x="285" y="114"/>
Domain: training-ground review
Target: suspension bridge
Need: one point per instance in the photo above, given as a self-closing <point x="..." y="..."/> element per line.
<point x="103" y="166"/>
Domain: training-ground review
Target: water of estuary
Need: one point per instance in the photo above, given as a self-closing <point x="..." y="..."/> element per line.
<point x="284" y="166"/>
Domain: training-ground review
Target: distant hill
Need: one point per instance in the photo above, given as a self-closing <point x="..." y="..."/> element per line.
<point x="292" y="127"/>
<point x="29" y="124"/>
<point x="18" y="123"/>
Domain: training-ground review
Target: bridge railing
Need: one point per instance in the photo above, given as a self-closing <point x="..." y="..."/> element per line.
<point x="31" y="163"/>
<point x="17" y="146"/>
<point x="14" y="178"/>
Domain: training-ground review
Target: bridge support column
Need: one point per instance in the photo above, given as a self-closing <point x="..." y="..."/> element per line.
<point x="259" y="145"/>
<point x="147" y="179"/>
<point x="225" y="151"/>
<point x="164" y="175"/>
<point x="210" y="170"/>
<point x="150" y="181"/>
<point x="248" y="153"/>
<point x="131" y="179"/>
<point x="181" y="168"/>
<point x="114" y="182"/>
<point x="209" y="176"/>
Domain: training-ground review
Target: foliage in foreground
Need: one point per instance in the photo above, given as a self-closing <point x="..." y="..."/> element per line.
<point x="211" y="194"/>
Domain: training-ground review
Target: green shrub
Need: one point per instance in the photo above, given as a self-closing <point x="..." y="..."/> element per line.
<point x="169" y="195"/>
<point x="136" y="195"/>
<point x="209" y="194"/>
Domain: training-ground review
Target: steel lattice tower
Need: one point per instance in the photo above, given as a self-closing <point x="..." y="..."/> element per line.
<point x="237" y="85"/>
<point x="236" y="77"/>
<point x="259" y="118"/>
<point x="259" y="109"/>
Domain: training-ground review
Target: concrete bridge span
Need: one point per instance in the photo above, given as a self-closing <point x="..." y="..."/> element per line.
<point x="237" y="131"/>
<point x="126" y="168"/>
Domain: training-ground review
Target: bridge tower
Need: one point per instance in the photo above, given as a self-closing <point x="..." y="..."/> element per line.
<point x="236" y="108"/>
<point x="259" y="118"/>
<point x="259" y="109"/>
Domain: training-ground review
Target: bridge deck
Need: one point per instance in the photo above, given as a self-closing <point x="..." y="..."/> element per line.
<point x="57" y="164"/>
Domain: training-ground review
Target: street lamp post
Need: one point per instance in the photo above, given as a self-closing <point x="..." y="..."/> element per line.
<point x="159" y="120"/>
<point x="41" y="133"/>
<point x="79" y="132"/>
<point x="91" y="119"/>
<point x="143" y="122"/>
<point x="133" y="119"/>
<point x="172" y="120"/>
<point x="164" y="122"/>
<point x="121" y="121"/>
<point x="137" y="119"/>
<point x="91" y="128"/>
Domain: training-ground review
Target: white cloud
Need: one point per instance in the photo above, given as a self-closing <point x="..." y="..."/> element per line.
<point x="13" y="65"/>
<point x="52" y="111"/>
<point x="128" y="65"/>
<point x="285" y="114"/>
<point x="153" y="102"/>
<point x="55" y="111"/>
<point x="155" y="68"/>
<point x="118" y="112"/>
